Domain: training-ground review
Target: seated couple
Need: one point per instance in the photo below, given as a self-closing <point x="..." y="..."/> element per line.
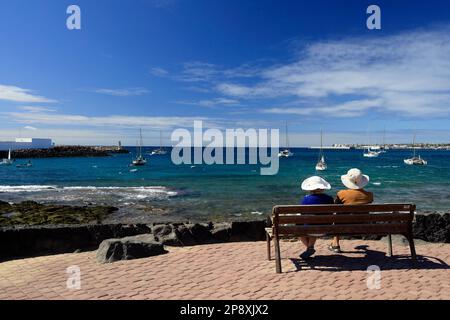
<point x="354" y="181"/>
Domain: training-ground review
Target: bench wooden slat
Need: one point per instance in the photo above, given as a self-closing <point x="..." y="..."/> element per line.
<point x="336" y="208"/>
<point x="345" y="218"/>
<point x="345" y="229"/>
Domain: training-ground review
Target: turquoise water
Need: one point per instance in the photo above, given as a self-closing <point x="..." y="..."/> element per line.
<point x="162" y="189"/>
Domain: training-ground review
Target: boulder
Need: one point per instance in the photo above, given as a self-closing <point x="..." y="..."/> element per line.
<point x="185" y="236"/>
<point x="248" y="230"/>
<point x="432" y="227"/>
<point x="162" y="229"/>
<point x="129" y="248"/>
<point x="221" y="232"/>
<point x="200" y="232"/>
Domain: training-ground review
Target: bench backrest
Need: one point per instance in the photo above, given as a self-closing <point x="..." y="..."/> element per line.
<point x="343" y="219"/>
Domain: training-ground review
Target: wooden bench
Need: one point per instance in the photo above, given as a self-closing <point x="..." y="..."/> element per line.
<point x="340" y="220"/>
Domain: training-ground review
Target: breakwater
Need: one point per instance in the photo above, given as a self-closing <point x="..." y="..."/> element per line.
<point x="63" y="151"/>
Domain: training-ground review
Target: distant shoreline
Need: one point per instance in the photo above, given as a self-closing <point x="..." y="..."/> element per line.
<point x="63" y="152"/>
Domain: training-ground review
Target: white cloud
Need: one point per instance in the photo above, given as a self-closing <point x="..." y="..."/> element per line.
<point x="407" y="74"/>
<point x="123" y="121"/>
<point x="30" y="128"/>
<point x="211" y="102"/>
<point x="37" y="109"/>
<point x="159" y="72"/>
<point x="16" y="94"/>
<point x="122" y="92"/>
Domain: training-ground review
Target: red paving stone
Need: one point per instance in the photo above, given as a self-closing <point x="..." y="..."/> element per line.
<point x="236" y="271"/>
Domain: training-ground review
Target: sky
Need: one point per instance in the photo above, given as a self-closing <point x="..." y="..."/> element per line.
<point x="161" y="64"/>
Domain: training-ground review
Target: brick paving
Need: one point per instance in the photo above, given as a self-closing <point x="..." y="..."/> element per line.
<point x="236" y="271"/>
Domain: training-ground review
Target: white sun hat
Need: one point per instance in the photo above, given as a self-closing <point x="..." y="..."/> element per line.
<point x="315" y="183"/>
<point x="354" y="179"/>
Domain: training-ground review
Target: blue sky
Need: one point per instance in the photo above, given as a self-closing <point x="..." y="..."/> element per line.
<point x="160" y="64"/>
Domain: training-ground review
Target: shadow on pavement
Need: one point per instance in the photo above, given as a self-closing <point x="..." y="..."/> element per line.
<point x="364" y="257"/>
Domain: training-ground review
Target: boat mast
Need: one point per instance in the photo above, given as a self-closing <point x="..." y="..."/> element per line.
<point x="140" y="143"/>
<point x="321" y="146"/>
<point x="287" y="138"/>
<point x="414" y="145"/>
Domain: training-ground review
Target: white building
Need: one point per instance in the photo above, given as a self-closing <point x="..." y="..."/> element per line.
<point x="26" y="143"/>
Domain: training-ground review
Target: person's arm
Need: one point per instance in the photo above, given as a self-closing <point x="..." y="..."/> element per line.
<point x="338" y="199"/>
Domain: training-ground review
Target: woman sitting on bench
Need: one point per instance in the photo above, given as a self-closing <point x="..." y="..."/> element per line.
<point x="316" y="187"/>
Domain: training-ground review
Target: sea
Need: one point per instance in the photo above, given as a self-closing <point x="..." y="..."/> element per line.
<point x="163" y="191"/>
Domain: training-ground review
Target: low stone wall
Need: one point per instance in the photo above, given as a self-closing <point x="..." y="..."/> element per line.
<point x="42" y="240"/>
<point x="18" y="242"/>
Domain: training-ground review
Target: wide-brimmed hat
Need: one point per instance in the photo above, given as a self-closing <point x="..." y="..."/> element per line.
<point x="354" y="179"/>
<point x="315" y="183"/>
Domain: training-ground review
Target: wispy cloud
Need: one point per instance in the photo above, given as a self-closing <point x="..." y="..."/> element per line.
<point x="124" y="121"/>
<point x="16" y="94"/>
<point x="159" y="72"/>
<point x="30" y="128"/>
<point x="126" y="92"/>
<point x="211" y="102"/>
<point x="37" y="109"/>
<point x="407" y="74"/>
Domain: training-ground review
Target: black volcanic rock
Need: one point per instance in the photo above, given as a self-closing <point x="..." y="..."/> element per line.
<point x="432" y="227"/>
<point x="248" y="230"/>
<point x="31" y="213"/>
<point x="221" y="232"/>
<point x="200" y="232"/>
<point x="129" y="248"/>
<point x="58" y="151"/>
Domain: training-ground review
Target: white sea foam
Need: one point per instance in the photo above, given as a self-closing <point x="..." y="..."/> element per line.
<point x="137" y="192"/>
<point x="29" y="188"/>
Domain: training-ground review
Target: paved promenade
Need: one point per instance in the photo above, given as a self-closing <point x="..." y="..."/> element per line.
<point x="236" y="271"/>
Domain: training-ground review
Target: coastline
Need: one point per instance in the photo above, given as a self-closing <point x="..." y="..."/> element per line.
<point x="63" y="152"/>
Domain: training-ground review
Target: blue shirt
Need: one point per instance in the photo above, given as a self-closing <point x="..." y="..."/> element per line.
<point x="319" y="198"/>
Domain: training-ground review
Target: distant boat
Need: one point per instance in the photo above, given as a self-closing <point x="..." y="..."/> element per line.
<point x="140" y="160"/>
<point x="286" y="153"/>
<point x="415" y="161"/>
<point x="8" y="161"/>
<point x="160" y="150"/>
<point x="321" y="164"/>
<point x="25" y="165"/>
<point x="370" y="153"/>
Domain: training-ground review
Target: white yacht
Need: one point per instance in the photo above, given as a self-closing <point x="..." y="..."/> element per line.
<point x="321" y="164"/>
<point x="160" y="150"/>
<point x="415" y="160"/>
<point x="7" y="161"/>
<point x="140" y="160"/>
<point x="370" y="153"/>
<point x="286" y="153"/>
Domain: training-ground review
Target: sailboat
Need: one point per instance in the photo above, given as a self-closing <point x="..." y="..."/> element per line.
<point x="140" y="160"/>
<point x="370" y="153"/>
<point x="7" y="161"/>
<point x="417" y="161"/>
<point x="160" y="150"/>
<point x="321" y="164"/>
<point x="286" y="153"/>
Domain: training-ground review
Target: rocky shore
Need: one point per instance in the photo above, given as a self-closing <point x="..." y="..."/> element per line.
<point x="31" y="213"/>
<point x="63" y="151"/>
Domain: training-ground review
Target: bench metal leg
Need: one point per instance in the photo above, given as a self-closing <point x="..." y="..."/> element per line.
<point x="277" y="254"/>
<point x="390" y="246"/>
<point x="268" y="246"/>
